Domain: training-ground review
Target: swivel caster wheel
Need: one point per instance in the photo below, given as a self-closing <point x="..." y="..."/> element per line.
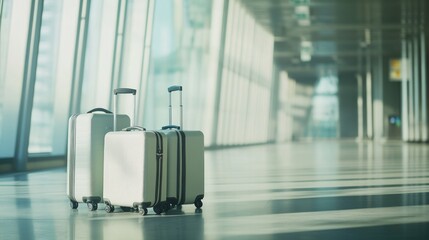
<point x="127" y="209"/>
<point x="198" y="204"/>
<point x="166" y="207"/>
<point x="158" y="208"/>
<point x="92" y="206"/>
<point x="143" y="211"/>
<point x="109" y="208"/>
<point x="74" y="204"/>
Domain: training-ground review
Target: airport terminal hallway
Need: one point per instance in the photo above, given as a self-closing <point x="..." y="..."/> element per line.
<point x="306" y="190"/>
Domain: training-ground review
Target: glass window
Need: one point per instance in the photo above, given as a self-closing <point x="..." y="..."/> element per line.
<point x="180" y="53"/>
<point x="99" y="55"/>
<point x="115" y="54"/>
<point x="44" y="90"/>
<point x="5" y="18"/>
<point x="13" y="35"/>
<point x="133" y="60"/>
<point x="247" y="71"/>
<point x="53" y="77"/>
<point x="325" y="104"/>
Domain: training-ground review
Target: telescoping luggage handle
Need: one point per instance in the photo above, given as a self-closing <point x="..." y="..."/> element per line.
<point x="123" y="91"/>
<point x="170" y="125"/>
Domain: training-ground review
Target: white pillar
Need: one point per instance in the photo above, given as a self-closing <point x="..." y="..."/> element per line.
<point x="424" y="119"/>
<point x="404" y="88"/>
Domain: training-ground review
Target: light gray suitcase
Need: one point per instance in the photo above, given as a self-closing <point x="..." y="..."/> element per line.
<point x="85" y="155"/>
<point x="135" y="169"/>
<point x="185" y="161"/>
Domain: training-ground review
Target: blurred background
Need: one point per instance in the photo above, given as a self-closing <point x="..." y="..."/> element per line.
<point x="252" y="71"/>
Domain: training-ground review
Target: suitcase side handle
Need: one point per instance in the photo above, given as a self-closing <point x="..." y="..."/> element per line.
<point x="171" y="127"/>
<point x="134" y="128"/>
<point x="99" y="110"/>
<point x="170" y="90"/>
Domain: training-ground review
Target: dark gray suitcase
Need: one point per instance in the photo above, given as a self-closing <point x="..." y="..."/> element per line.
<point x="185" y="162"/>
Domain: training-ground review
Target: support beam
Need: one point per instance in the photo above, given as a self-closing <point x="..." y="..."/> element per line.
<point x="27" y="96"/>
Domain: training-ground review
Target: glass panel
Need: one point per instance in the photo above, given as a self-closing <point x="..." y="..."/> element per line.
<point x="99" y="53"/>
<point x="5" y="19"/>
<point x="13" y="35"/>
<point x="180" y="55"/>
<point x="325" y="104"/>
<point x="133" y="50"/>
<point x="64" y="74"/>
<point x="247" y="70"/>
<point x="42" y="120"/>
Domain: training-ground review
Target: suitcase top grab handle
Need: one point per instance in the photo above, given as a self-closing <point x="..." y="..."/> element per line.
<point x="99" y="110"/>
<point x="170" y="125"/>
<point x="118" y="91"/>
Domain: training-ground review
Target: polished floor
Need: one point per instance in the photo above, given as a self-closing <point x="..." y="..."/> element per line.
<point x="318" y="190"/>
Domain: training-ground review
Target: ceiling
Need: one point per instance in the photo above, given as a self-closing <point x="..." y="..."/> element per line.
<point x="340" y="31"/>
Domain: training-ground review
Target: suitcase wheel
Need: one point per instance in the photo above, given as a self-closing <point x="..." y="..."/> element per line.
<point x="92" y="206"/>
<point x="158" y="208"/>
<point x="143" y="211"/>
<point x="198" y="204"/>
<point x="127" y="209"/>
<point x="167" y="206"/>
<point x="109" y="208"/>
<point x="74" y="204"/>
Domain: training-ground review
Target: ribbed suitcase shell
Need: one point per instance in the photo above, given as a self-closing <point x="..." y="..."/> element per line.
<point x="85" y="156"/>
<point x="185" y="160"/>
<point x="185" y="167"/>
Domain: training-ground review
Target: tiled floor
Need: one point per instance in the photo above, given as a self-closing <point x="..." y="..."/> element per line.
<point x="321" y="190"/>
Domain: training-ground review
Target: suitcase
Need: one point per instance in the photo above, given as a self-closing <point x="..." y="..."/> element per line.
<point x="135" y="169"/>
<point x="185" y="183"/>
<point x="85" y="155"/>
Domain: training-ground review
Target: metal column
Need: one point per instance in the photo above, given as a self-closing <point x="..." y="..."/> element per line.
<point x="27" y="96"/>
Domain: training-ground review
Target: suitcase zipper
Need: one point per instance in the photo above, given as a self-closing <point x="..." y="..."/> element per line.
<point x="183" y="192"/>
<point x="178" y="169"/>
<point x="159" y="156"/>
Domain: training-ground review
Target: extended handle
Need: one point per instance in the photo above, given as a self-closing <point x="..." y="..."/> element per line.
<point x="99" y="110"/>
<point x="170" y="90"/>
<point x="118" y="91"/>
<point x="174" y="88"/>
<point x="124" y="91"/>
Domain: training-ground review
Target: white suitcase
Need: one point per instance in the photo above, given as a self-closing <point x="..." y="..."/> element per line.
<point x="85" y="155"/>
<point x="185" y="161"/>
<point x="135" y="169"/>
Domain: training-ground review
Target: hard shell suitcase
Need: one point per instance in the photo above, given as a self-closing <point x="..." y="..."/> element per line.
<point x="85" y="155"/>
<point x="185" y="161"/>
<point x="135" y="169"/>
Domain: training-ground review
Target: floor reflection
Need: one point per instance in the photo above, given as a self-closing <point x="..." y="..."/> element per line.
<point x="324" y="190"/>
